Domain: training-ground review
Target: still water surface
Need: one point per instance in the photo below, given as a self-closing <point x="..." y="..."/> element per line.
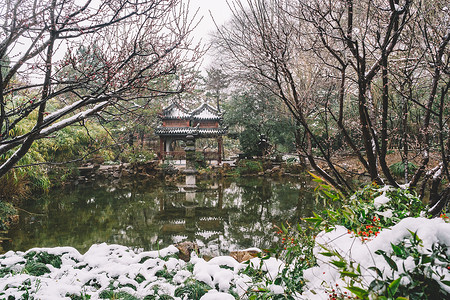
<point x="220" y="217"/>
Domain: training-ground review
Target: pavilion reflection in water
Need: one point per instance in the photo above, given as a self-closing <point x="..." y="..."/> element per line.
<point x="192" y="221"/>
<point x="220" y="216"/>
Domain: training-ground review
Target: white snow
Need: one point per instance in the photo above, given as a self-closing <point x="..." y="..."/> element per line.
<point x="387" y="214"/>
<point x="381" y="200"/>
<point x="215" y="295"/>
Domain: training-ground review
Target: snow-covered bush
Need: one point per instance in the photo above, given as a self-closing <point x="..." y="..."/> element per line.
<point x="376" y="245"/>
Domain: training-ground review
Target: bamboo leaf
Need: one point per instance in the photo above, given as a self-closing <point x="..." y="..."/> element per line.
<point x="389" y="260"/>
<point x="349" y="274"/>
<point x="394" y="286"/>
<point x="339" y="264"/>
<point x="446" y="282"/>
<point x="397" y="250"/>
<point x="327" y="254"/>
<point x="361" y="293"/>
<point x="378" y="271"/>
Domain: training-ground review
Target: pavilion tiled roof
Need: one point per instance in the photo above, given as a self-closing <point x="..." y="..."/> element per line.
<point x="175" y="111"/>
<point x="206" y="112"/>
<point x="203" y="112"/>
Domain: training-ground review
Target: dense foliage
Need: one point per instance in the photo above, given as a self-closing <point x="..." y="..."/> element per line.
<point x="253" y="114"/>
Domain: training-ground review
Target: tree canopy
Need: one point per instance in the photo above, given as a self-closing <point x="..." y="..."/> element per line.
<point x="83" y="57"/>
<point x="373" y="75"/>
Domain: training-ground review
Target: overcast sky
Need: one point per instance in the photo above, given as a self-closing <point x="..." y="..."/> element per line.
<point x="219" y="10"/>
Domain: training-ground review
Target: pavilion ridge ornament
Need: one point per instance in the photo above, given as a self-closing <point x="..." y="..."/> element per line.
<point x="178" y="123"/>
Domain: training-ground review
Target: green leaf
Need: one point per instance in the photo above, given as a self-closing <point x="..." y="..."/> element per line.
<point x="446" y="282"/>
<point x="329" y="195"/>
<point x="312" y="220"/>
<point x="339" y="264"/>
<point x="361" y="293"/>
<point x="327" y="254"/>
<point x="391" y="263"/>
<point x="378" y="271"/>
<point x="415" y="238"/>
<point x="349" y="274"/>
<point x="426" y="259"/>
<point x="394" y="286"/>
<point x="398" y="250"/>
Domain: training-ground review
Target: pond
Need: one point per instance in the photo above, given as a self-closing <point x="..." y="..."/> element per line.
<point x="220" y="216"/>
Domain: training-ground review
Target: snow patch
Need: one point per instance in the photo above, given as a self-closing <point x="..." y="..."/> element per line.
<point x="381" y="200"/>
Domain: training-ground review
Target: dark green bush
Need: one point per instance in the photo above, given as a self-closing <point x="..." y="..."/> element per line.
<point x="36" y="264"/>
<point x="8" y="214"/>
<point x="192" y="290"/>
<point x="200" y="161"/>
<point x="398" y="168"/>
<point x="247" y="167"/>
<point x="109" y="294"/>
<point x="422" y="279"/>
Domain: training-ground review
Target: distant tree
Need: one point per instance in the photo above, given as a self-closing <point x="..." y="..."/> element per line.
<point x="251" y="114"/>
<point x="136" y="45"/>
<point x="4" y="66"/>
<point x="216" y="80"/>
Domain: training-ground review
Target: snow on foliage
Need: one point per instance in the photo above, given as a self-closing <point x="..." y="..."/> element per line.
<point x="326" y="275"/>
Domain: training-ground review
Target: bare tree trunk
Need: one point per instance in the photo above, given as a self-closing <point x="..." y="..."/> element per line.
<point x="405" y="138"/>
<point x="384" y="129"/>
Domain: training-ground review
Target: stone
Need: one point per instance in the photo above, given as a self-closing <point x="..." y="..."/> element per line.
<point x="226" y="166"/>
<point x="98" y="159"/>
<point x="295" y="168"/>
<point x="186" y="249"/>
<point x="267" y="165"/>
<point x="275" y="169"/>
<point x="244" y="255"/>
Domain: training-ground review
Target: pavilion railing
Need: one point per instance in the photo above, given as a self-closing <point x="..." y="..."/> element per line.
<point x="179" y="155"/>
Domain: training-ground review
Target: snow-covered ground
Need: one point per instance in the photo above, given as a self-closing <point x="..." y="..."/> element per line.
<point x="113" y="267"/>
<point x="143" y="274"/>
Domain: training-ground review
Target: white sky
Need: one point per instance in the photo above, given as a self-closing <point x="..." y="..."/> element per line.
<point x="221" y="13"/>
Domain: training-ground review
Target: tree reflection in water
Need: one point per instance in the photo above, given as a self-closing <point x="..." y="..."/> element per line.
<point x="221" y="216"/>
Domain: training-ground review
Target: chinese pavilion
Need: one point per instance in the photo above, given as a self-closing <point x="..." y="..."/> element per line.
<point x="177" y="123"/>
